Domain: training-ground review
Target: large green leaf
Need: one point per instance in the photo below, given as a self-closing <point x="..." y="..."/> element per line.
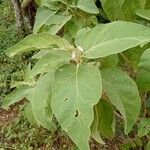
<point x="40" y="101"/>
<point x="53" y="60"/>
<point x="105" y="118"/>
<point x="113" y="38"/>
<point x="87" y="6"/>
<point x="36" y="42"/>
<point x="75" y="90"/>
<point x="122" y="9"/>
<point x="18" y="94"/>
<point x="42" y="15"/>
<point x="145" y="60"/>
<point x="123" y="93"/>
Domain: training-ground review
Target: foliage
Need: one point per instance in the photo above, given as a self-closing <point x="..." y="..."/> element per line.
<point x="84" y="67"/>
<point x="10" y="68"/>
<point x="23" y="135"/>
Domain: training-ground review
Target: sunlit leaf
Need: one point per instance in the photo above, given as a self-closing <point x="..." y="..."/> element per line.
<point x="75" y="90"/>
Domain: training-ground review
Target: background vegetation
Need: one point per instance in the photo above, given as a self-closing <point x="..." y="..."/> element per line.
<point x="16" y="129"/>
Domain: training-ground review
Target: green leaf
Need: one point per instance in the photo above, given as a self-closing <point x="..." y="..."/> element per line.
<point x="145" y="60"/>
<point x="41" y="53"/>
<point x="29" y="114"/>
<point x="105" y="118"/>
<point x="42" y="15"/>
<point x="94" y="128"/>
<point x="80" y="36"/>
<point x="143" y="14"/>
<point x="73" y="27"/>
<point x="134" y="55"/>
<point x="110" y="61"/>
<point x="28" y="77"/>
<point x="122" y="9"/>
<point x="75" y="90"/>
<point x="40" y="101"/>
<point x="52" y="60"/>
<point x="113" y="38"/>
<point x="55" y="23"/>
<point x="112" y="8"/>
<point x="36" y="42"/>
<point x="87" y="6"/>
<point x="96" y="136"/>
<point x="18" y="94"/>
<point x="143" y="80"/>
<point x="123" y="93"/>
<point x="144" y="127"/>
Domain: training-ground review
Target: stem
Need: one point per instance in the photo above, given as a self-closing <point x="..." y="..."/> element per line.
<point x="144" y="104"/>
<point x="126" y="59"/>
<point x="118" y="115"/>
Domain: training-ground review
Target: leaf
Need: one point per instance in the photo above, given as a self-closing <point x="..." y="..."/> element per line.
<point x="17" y="83"/>
<point x="75" y="90"/>
<point x="55" y="23"/>
<point x="36" y="42"/>
<point x="122" y="9"/>
<point x="143" y="80"/>
<point x="94" y="128"/>
<point x="105" y="118"/>
<point x="42" y="15"/>
<point x="29" y="114"/>
<point x="145" y="60"/>
<point x="110" y="61"/>
<point x="134" y="55"/>
<point x="110" y="41"/>
<point x="123" y="93"/>
<point x="41" y="53"/>
<point x="73" y="27"/>
<point x="87" y="6"/>
<point x="145" y="14"/>
<point x="17" y="95"/>
<point x="40" y="101"/>
<point x="144" y="127"/>
<point x="29" y="78"/>
<point x="112" y="8"/>
<point x="96" y="136"/>
<point x="80" y="36"/>
<point x="52" y="60"/>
